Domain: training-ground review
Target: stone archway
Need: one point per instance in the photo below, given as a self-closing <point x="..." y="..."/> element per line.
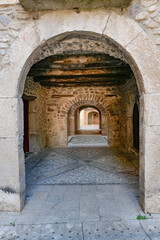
<point x="93" y="118"/>
<point x="88" y="116"/>
<point x="131" y="43"/>
<point x="82" y="103"/>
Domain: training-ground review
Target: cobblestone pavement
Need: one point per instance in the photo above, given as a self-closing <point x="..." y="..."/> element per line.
<point x="81" y="194"/>
<point x="82" y="166"/>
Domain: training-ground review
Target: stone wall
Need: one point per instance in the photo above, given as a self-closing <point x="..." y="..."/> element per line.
<point x="52" y="114"/>
<point x="148" y="17"/>
<point x="61" y="101"/>
<point x="37" y="115"/>
<point x="130" y="96"/>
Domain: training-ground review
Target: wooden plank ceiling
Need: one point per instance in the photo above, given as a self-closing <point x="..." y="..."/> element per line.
<point x="81" y="70"/>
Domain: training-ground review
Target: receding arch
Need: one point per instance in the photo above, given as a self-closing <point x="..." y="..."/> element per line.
<point x="93" y="118"/>
<point x="83" y="127"/>
<point x="84" y="103"/>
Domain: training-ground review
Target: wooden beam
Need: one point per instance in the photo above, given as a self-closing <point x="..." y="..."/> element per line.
<point x="102" y="82"/>
<point x="66" y="66"/>
<point x="28" y="98"/>
<point x="90" y="77"/>
<point x="70" y="72"/>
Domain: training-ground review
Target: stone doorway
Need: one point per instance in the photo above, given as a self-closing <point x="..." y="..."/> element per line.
<point x="116" y="46"/>
<point x="89" y="116"/>
<point x="66" y="84"/>
<point x="88" y="121"/>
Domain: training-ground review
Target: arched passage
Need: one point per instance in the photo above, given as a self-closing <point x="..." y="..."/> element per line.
<point x="79" y="104"/>
<point x="93" y="118"/>
<point x="85" y="121"/>
<point x="131" y="48"/>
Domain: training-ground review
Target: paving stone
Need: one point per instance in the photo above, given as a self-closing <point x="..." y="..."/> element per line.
<point x="88" y="204"/>
<point x="111" y="204"/>
<point x="112" y="209"/>
<point x="88" y="140"/>
<point x="128" y="230"/>
<point x="83" y="166"/>
<point x="66" y="231"/>
<point x="152" y="228"/>
<point x="80" y="193"/>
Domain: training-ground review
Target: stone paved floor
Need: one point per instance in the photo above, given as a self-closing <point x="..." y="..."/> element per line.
<point x="82" y="166"/>
<point x="87" y="141"/>
<point x="80" y="212"/>
<point x="81" y="194"/>
<point x="89" y="127"/>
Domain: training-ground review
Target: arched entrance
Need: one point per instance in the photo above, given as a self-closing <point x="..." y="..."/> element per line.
<point x="136" y="127"/>
<point x="88" y="120"/>
<point x="131" y="48"/>
<point x="93" y="118"/>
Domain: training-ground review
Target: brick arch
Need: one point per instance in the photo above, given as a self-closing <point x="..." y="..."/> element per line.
<point x="79" y="102"/>
<point x="91" y="101"/>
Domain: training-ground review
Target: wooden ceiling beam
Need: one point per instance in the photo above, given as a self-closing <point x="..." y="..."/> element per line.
<point x="78" y="84"/>
<point x="80" y="77"/>
<point x="79" y="65"/>
<point x="81" y="70"/>
<point x="62" y="72"/>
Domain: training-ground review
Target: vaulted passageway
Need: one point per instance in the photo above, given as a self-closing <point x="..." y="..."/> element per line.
<point x="87" y="120"/>
<point x="81" y="118"/>
<point x="85" y="72"/>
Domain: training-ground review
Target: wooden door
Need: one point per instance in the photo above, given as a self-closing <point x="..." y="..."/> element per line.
<point x="136" y="127"/>
<point x="26" y="126"/>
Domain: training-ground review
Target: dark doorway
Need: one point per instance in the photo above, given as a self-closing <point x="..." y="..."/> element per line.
<point x="26" y="126"/>
<point x="136" y="127"/>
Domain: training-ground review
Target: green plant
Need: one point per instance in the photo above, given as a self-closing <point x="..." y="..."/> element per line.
<point x="140" y="217"/>
<point x="12" y="224"/>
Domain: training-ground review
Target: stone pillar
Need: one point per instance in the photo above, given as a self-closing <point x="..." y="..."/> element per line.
<point x="77" y="121"/>
<point x="150" y="152"/>
<point x="12" y="170"/>
<point x="128" y="143"/>
<point x="104" y="126"/>
<point x="72" y="125"/>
